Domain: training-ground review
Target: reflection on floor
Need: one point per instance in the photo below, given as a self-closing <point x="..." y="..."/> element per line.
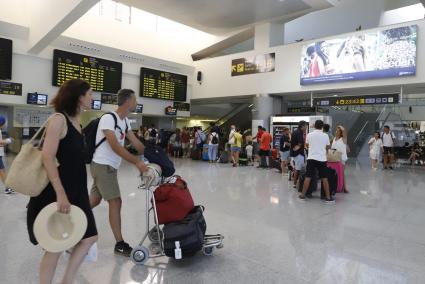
<point x="375" y="234"/>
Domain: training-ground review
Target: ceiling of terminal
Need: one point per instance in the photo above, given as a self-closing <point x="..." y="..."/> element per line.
<point x="224" y="16"/>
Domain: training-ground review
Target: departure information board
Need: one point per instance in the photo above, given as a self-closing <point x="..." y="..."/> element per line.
<point x="9" y="88"/>
<point x="357" y="100"/>
<point x="103" y="75"/>
<point x="5" y="59"/>
<point x="162" y="85"/>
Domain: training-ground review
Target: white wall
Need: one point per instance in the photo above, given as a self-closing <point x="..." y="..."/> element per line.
<point x="176" y="47"/>
<point x="217" y="81"/>
<point x="343" y="18"/>
<point x="404" y="14"/>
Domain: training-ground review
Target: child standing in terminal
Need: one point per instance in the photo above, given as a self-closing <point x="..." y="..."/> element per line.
<point x="2" y="144"/>
<point x="249" y="149"/>
<point x="375" y="146"/>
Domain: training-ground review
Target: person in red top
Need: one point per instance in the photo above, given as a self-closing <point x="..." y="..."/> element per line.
<point x="317" y="66"/>
<point x="264" y="152"/>
<point x="258" y="138"/>
<point x="185" y="138"/>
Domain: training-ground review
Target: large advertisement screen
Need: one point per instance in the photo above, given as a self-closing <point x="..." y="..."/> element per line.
<point x="380" y="54"/>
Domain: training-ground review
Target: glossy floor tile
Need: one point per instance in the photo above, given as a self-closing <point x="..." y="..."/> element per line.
<point x="375" y="234"/>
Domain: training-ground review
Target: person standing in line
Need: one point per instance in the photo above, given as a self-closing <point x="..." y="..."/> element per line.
<point x="285" y="146"/>
<point x="185" y="142"/>
<point x="176" y="143"/>
<point x="249" y="149"/>
<point x="297" y="151"/>
<point x="3" y="143"/>
<point x="317" y="143"/>
<point x="213" y="140"/>
<point x="235" y="141"/>
<point x="265" y="148"/>
<point x="388" y="139"/>
<point x="375" y="146"/>
<point x="326" y="129"/>
<point x="257" y="145"/>
<point x="339" y="143"/>
<point x="107" y="160"/>
<point x="68" y="181"/>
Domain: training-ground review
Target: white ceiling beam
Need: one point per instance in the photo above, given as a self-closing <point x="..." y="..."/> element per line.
<point x="50" y="18"/>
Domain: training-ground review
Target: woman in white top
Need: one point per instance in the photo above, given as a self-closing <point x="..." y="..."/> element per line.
<point x="375" y="146"/>
<point x="340" y="144"/>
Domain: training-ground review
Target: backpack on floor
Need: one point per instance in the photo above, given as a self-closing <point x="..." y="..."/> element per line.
<point x="189" y="232"/>
<point x="224" y="157"/>
<point x="333" y="182"/>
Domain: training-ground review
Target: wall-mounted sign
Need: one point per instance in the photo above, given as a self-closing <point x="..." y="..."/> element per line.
<point x="139" y="108"/>
<point x="252" y="65"/>
<point x="301" y="110"/>
<point x="111" y="99"/>
<point x="103" y="75"/>
<point x="157" y="84"/>
<point x="9" y="88"/>
<point x="169" y="110"/>
<point x="36" y="99"/>
<point x="181" y="106"/>
<point x="5" y="59"/>
<point x="357" y="100"/>
<point x="96" y="105"/>
<point x="372" y="55"/>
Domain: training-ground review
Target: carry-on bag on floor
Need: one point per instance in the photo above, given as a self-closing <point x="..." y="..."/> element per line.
<point x="333" y="183"/>
<point x="173" y="201"/>
<point x="205" y="153"/>
<point x="313" y="183"/>
<point x="189" y="233"/>
<point x="243" y="159"/>
<point x="195" y="154"/>
<point x="224" y="157"/>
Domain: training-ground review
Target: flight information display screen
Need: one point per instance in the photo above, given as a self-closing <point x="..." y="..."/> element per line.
<point x="103" y="75"/>
<point x="162" y="85"/>
<point x="5" y="59"/>
<point x="10" y="88"/>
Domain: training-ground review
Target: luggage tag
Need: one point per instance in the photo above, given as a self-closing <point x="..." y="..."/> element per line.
<point x="177" y="251"/>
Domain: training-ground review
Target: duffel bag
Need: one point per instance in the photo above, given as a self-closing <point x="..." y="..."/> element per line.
<point x="189" y="233"/>
<point x="173" y="201"/>
<point x="156" y="155"/>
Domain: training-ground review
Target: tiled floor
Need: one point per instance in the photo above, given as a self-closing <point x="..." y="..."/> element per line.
<point x="375" y="234"/>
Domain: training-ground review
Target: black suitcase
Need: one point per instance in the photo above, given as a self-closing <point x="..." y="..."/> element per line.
<point x="189" y="232"/>
<point x="332" y="176"/>
<point x="224" y="157"/>
<point x="313" y="183"/>
<point x="195" y="154"/>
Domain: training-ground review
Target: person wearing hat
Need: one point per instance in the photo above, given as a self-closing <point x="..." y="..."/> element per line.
<point x="3" y="142"/>
<point x="66" y="192"/>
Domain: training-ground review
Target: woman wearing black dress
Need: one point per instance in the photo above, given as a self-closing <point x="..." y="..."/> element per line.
<point x="68" y="182"/>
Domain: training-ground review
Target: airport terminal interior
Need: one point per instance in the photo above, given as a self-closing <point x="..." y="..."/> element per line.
<point x="239" y="179"/>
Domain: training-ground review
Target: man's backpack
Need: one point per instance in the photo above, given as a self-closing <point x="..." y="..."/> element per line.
<point x="214" y="139"/>
<point x="202" y="136"/>
<point x="90" y="132"/>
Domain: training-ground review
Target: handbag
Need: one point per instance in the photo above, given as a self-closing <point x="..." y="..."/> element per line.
<point x="334" y="156"/>
<point x="232" y="139"/>
<point x="27" y="174"/>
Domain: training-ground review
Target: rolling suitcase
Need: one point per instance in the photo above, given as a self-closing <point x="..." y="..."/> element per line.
<point x="333" y="183"/>
<point x="313" y="183"/>
<point x="205" y="153"/>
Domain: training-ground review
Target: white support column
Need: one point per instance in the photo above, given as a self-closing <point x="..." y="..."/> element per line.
<point x="262" y="36"/>
<point x="50" y="18"/>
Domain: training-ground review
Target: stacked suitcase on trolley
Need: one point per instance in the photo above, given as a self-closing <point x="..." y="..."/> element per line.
<point x="179" y="228"/>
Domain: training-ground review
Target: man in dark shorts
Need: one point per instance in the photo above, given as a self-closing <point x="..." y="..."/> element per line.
<point x="297" y="151"/>
<point x="317" y="143"/>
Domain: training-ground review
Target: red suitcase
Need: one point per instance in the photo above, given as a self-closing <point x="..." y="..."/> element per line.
<point x="173" y="201"/>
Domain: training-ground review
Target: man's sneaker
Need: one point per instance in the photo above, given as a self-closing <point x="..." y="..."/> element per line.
<point x="329" y="201"/>
<point x="123" y="248"/>
<point x="301" y="198"/>
<point x="391" y="168"/>
<point x="309" y="195"/>
<point x="8" y="190"/>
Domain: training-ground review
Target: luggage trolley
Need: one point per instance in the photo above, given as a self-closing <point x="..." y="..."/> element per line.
<point x="150" y="181"/>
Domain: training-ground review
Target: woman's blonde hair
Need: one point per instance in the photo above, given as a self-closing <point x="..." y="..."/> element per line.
<point x="343" y="134"/>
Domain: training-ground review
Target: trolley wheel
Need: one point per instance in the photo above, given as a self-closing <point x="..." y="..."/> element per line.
<point x="139" y="255"/>
<point x="220" y="246"/>
<point x="208" y="250"/>
<point x="153" y="235"/>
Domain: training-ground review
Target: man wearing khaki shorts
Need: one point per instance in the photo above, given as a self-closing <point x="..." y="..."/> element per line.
<point x="112" y="130"/>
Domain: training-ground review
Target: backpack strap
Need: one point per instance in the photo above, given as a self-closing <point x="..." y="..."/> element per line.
<point x="115" y="127"/>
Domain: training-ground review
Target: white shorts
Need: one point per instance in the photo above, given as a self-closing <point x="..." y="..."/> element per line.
<point x="299" y="162"/>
